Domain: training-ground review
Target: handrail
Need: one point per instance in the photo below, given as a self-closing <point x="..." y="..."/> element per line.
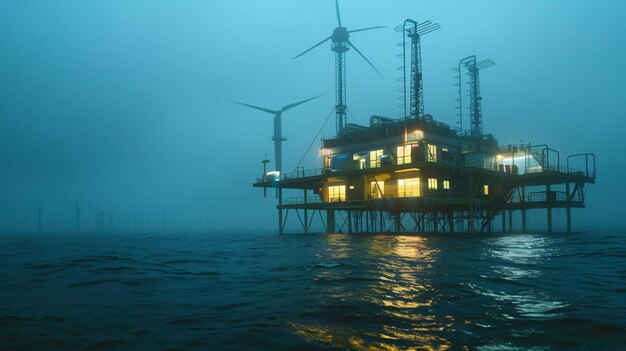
<point x="542" y="196"/>
<point x="545" y="155"/>
<point x="587" y="156"/>
<point x="300" y="172"/>
<point x="303" y="173"/>
<point x="301" y="200"/>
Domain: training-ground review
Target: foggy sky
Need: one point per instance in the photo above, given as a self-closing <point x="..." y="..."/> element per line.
<point x="127" y="102"/>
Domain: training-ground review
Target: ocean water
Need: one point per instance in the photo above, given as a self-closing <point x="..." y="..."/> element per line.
<point x="262" y="291"/>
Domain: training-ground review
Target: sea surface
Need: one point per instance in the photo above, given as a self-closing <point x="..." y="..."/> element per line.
<point x="262" y="291"/>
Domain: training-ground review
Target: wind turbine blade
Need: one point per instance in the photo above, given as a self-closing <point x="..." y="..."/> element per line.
<point x="299" y="103"/>
<point x="363" y="56"/>
<point x="255" y="107"/>
<point x="313" y="47"/>
<point x="338" y="16"/>
<point x="368" y="28"/>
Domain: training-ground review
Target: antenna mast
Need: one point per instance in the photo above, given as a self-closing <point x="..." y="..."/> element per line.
<point x="415" y="31"/>
<point x="475" y="109"/>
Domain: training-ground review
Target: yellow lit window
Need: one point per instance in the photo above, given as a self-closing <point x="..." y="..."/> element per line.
<point x="336" y="193"/>
<point x="409" y="187"/>
<point x="432" y="153"/>
<point x="404" y="154"/>
<point x="377" y="189"/>
<point x="375" y="158"/>
<point x="432" y="183"/>
<point x="485" y="189"/>
<point x="446" y="184"/>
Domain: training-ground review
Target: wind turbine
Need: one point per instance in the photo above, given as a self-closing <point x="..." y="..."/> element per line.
<point x="99" y="218"/>
<point x="340" y="44"/>
<point x="39" y="212"/>
<point x="77" y="208"/>
<point x="278" y="137"/>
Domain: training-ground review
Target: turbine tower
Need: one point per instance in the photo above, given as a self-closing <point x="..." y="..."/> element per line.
<point x="278" y="137"/>
<point x="340" y="44"/>
<point x="77" y="209"/>
<point x="39" y="212"/>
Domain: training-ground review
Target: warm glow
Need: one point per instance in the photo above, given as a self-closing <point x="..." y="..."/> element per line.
<point x="407" y="170"/>
<point x="446" y="184"/>
<point x="403" y="154"/>
<point x="409" y="187"/>
<point x="375" y="158"/>
<point x="336" y="193"/>
<point x="432" y="183"/>
<point x="415" y="135"/>
<point x="485" y="189"/>
<point x="432" y="153"/>
<point x="377" y="189"/>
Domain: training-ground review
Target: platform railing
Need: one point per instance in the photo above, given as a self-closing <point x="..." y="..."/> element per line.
<point x="588" y="158"/>
<point x="590" y="164"/>
<point x="543" y="196"/>
<point x="303" y="173"/>
<point x="300" y="200"/>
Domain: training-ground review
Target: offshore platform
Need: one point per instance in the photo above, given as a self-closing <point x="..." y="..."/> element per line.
<point x="416" y="175"/>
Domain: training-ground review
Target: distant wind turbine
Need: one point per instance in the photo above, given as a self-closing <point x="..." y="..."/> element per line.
<point x="278" y="137"/>
<point x="77" y="208"/>
<point x="39" y="211"/>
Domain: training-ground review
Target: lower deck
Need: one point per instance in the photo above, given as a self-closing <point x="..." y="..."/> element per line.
<point x="475" y="212"/>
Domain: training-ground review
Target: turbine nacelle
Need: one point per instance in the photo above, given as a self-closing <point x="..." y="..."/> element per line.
<point x="340" y="35"/>
<point x="340" y="44"/>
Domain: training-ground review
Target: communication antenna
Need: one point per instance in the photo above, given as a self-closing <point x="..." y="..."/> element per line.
<point x="470" y="67"/>
<point x="414" y="31"/>
<point x="265" y="162"/>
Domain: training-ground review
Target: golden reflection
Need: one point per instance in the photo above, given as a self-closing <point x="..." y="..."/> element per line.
<point x="400" y="296"/>
<point x="344" y="338"/>
<point x="339" y="246"/>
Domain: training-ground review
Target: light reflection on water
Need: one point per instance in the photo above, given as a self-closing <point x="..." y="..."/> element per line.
<point x="399" y="289"/>
<point x="521" y="257"/>
<point x="337" y="292"/>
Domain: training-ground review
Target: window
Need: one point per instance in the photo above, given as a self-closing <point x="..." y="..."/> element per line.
<point x="432" y="153"/>
<point x="409" y="187"/>
<point x="432" y="183"/>
<point x="377" y="189"/>
<point x="404" y="154"/>
<point x="375" y="158"/>
<point x="445" y="154"/>
<point x="336" y="193"/>
<point x="446" y="184"/>
<point x="360" y="159"/>
<point x="485" y="189"/>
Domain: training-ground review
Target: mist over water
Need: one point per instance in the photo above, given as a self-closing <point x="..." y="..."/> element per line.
<point x="128" y="103"/>
<point x="247" y="290"/>
<point x="120" y="145"/>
